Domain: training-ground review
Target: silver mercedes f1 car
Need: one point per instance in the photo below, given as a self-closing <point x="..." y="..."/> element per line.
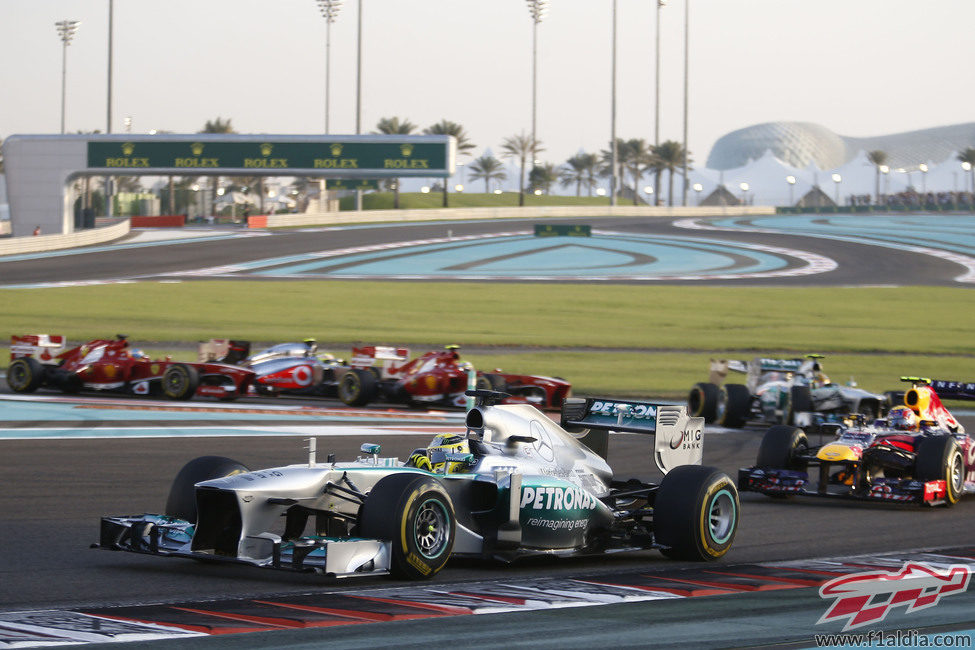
<point x="517" y="484"/>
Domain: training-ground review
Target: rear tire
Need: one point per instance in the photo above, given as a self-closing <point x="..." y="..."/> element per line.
<point x="800" y="401"/>
<point x="703" y="401"/>
<point x="25" y="375"/>
<point x="737" y="404"/>
<point x="939" y="457"/>
<point x="695" y="513"/>
<point x="357" y="387"/>
<point x="180" y="381"/>
<point x="182" y="495"/>
<point x="416" y="514"/>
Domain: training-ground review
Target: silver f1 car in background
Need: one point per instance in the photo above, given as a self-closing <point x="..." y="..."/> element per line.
<point x="778" y="391"/>
<point x="516" y="484"/>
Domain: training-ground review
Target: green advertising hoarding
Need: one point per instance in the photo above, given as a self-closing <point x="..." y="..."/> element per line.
<point x="361" y="157"/>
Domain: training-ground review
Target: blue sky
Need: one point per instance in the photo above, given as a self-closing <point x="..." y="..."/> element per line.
<point x="859" y="67"/>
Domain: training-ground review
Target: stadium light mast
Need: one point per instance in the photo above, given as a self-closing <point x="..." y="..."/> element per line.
<point x="330" y="12"/>
<point x="66" y="30"/>
<point x="656" y="96"/>
<point x="687" y="51"/>
<point x="614" y="153"/>
<point x="537" y="9"/>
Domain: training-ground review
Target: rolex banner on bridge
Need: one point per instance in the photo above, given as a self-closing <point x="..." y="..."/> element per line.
<point x="40" y="169"/>
<point x="346" y="157"/>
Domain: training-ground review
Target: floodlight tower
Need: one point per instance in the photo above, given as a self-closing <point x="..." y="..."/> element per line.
<point x="537" y="9"/>
<point x="66" y="30"/>
<point x="330" y="12"/>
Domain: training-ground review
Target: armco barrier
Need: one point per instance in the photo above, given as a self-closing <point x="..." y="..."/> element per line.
<point x="41" y="243"/>
<point x="446" y="214"/>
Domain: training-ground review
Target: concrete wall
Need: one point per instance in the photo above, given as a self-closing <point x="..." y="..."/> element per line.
<point x="547" y="212"/>
<point x="42" y="243"/>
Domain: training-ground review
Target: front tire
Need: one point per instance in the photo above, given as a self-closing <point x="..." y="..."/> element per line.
<point x="25" y="375"/>
<point x="695" y="513"/>
<point x="182" y="495"/>
<point x="357" y="387"/>
<point x="939" y="457"/>
<point x="780" y="446"/>
<point x="180" y="381"/>
<point x="416" y="514"/>
<point x="702" y="402"/>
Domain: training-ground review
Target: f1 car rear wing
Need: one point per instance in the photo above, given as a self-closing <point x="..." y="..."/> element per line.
<point x="43" y="347"/>
<point x="947" y="389"/>
<point x="223" y="351"/>
<point x="678" y="437"/>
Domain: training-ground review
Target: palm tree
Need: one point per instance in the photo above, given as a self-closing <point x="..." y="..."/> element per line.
<point x="581" y="170"/>
<point x="542" y="177"/>
<point x="218" y="125"/>
<point x="669" y="156"/>
<point x="637" y="163"/>
<point x="521" y="147"/>
<point x="393" y="126"/>
<point x="878" y="159"/>
<point x="623" y="156"/>
<point x="464" y="144"/>
<point x="489" y="168"/>
<point x="968" y="156"/>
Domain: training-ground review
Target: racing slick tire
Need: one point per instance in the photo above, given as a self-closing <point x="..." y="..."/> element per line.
<point x="181" y="502"/>
<point x="734" y="404"/>
<point x="695" y="513"/>
<point x="416" y="514"/>
<point x="779" y="447"/>
<point x="180" y="381"/>
<point x="939" y="457"/>
<point x="25" y="375"/>
<point x="490" y="381"/>
<point x="702" y="402"/>
<point x="357" y="387"/>
<point x="800" y="401"/>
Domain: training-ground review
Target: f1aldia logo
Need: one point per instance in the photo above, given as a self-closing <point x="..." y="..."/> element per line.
<point x="864" y="598"/>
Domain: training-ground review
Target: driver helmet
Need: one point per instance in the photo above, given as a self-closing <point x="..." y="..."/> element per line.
<point x="454" y="351"/>
<point x="136" y="353"/>
<point x="451" y="443"/>
<point x="312" y="347"/>
<point x="902" y="418"/>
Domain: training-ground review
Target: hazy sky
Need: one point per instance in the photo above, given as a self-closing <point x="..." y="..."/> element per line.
<point x="859" y="67"/>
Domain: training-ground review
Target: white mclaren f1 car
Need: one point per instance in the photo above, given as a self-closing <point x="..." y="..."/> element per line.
<point x="516" y="484"/>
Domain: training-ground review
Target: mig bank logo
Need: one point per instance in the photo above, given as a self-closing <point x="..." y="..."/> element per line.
<point x="864" y="598"/>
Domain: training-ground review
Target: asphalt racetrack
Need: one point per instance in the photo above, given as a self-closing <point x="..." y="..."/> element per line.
<point x="57" y="485"/>
<point x="792" y="250"/>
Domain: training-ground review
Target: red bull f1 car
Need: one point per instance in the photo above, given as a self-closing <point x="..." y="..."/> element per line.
<point x="381" y="373"/>
<point x="112" y="365"/>
<point x="516" y="484"/>
<point x="919" y="453"/>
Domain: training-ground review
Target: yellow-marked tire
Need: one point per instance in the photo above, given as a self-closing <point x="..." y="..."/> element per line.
<point x="940" y="458"/>
<point x="696" y="512"/>
<point x="357" y="387"/>
<point x="182" y="495"/>
<point x="702" y="401"/>
<point x="25" y="375"/>
<point x="180" y="381"/>
<point x="416" y="515"/>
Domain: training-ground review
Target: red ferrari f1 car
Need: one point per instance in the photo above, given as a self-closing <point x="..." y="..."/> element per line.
<point x="919" y="453"/>
<point x="437" y="378"/>
<point x="40" y="361"/>
<point x="375" y="372"/>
